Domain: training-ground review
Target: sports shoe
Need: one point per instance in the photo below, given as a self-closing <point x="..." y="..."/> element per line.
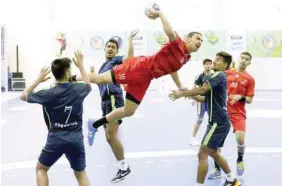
<point x="214" y="174"/>
<point x="234" y="183"/>
<point x="240" y="168"/>
<point x="121" y="175"/>
<point x="91" y="132"/>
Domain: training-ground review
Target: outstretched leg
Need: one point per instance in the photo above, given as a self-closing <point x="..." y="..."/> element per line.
<point x="128" y="110"/>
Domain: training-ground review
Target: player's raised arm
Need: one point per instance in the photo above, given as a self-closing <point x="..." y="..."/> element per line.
<point x="130" y="43"/>
<point x="155" y="12"/>
<point x="41" y="78"/>
<point x="79" y="63"/>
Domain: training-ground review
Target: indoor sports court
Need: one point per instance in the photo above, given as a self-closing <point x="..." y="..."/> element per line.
<point x="156" y="138"/>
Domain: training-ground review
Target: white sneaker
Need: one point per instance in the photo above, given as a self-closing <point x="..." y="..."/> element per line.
<point x="194" y="142"/>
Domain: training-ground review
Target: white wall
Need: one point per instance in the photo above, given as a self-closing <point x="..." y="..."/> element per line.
<point x="37" y="21"/>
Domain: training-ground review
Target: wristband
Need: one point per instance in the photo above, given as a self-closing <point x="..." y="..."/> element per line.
<point x="243" y="99"/>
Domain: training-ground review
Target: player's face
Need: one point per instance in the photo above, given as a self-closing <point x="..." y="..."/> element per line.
<point x="208" y="66"/>
<point x="244" y="61"/>
<point x="111" y="50"/>
<point x="194" y="43"/>
<point x="218" y="64"/>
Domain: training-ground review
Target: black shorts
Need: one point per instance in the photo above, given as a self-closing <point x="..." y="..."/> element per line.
<point x="111" y="104"/>
<point x="72" y="145"/>
<point x="201" y="109"/>
<point x="215" y="135"/>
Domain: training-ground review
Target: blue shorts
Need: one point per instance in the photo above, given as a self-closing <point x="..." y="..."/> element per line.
<point x="111" y="104"/>
<point x="215" y="135"/>
<point x="201" y="109"/>
<point x="72" y="145"/>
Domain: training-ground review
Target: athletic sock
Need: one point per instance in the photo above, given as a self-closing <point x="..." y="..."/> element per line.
<point x="199" y="184"/>
<point x="241" y="151"/>
<point x="230" y="177"/>
<point x="123" y="165"/>
<point x="98" y="123"/>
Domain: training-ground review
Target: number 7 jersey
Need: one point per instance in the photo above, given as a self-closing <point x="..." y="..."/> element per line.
<point x="239" y="83"/>
<point x="62" y="105"/>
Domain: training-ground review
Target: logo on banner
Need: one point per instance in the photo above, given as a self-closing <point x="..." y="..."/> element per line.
<point x="97" y="42"/>
<point x="268" y="43"/>
<point x="212" y="37"/>
<point x="119" y="40"/>
<point x="160" y="38"/>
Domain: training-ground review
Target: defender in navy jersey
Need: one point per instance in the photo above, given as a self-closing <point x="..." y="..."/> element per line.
<point x="63" y="109"/>
<point x="215" y="91"/>
<point x="201" y="107"/>
<point x="112" y="98"/>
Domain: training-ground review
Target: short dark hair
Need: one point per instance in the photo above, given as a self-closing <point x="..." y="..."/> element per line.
<point x="112" y="40"/>
<point x="227" y="58"/>
<point x="60" y="66"/>
<point x="207" y="61"/>
<point x="191" y="34"/>
<point x="247" y="54"/>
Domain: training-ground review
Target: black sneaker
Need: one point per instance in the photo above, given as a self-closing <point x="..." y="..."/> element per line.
<point x="233" y="183"/>
<point x="121" y="175"/>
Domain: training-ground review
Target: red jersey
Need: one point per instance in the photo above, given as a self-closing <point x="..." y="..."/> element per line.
<point x="170" y="58"/>
<point x="241" y="83"/>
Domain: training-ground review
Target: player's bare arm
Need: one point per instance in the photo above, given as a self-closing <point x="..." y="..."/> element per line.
<point x="176" y="80"/>
<point x="78" y="61"/>
<point x="235" y="98"/>
<point x="41" y="78"/>
<point x="155" y="13"/>
<point x="130" y="45"/>
<point x="189" y="93"/>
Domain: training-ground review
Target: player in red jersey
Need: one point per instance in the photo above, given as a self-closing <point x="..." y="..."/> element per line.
<point x="136" y="73"/>
<point x="241" y="90"/>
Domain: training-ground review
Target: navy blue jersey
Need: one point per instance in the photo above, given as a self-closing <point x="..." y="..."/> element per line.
<point x="111" y="89"/>
<point x="62" y="105"/>
<point x="216" y="99"/>
<point x="201" y="79"/>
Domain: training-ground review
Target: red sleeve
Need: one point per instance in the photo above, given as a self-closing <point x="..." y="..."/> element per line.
<point x="177" y="40"/>
<point x="251" y="87"/>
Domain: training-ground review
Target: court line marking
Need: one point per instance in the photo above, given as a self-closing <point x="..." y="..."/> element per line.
<point x="143" y="155"/>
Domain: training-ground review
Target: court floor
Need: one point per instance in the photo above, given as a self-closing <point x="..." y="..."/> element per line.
<point x="155" y="141"/>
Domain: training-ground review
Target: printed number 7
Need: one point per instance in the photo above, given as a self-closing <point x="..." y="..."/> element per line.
<point x="68" y="108"/>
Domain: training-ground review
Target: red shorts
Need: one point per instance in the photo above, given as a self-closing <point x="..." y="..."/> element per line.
<point x="135" y="75"/>
<point x="238" y="122"/>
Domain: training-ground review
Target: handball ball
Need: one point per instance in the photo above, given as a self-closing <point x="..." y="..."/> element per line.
<point x="153" y="6"/>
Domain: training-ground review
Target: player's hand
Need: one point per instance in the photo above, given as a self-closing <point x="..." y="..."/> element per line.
<point x="153" y="13"/>
<point x="175" y="95"/>
<point x="234" y="98"/>
<point x="134" y="33"/>
<point x="78" y="60"/>
<point x="43" y="74"/>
